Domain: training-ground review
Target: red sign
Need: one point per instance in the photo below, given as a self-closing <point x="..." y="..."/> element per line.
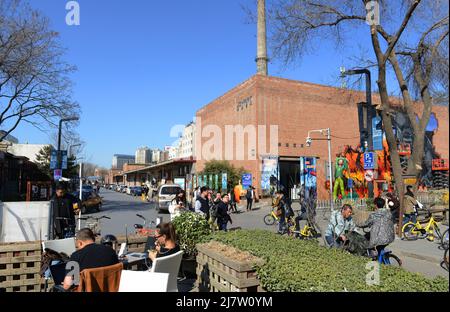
<point x="440" y="164"/>
<point x="369" y="175"/>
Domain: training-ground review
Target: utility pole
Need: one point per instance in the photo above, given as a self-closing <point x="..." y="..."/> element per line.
<point x="370" y="114"/>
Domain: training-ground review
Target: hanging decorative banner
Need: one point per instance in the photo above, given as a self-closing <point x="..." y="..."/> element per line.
<point x="377" y="134"/>
<point x="224" y="181"/>
<point x="246" y="180"/>
<point x="216" y="182"/>
<point x="308" y="176"/>
<point x="269" y="174"/>
<point x="210" y="185"/>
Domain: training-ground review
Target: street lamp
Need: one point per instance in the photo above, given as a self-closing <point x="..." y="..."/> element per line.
<point x="309" y="140"/>
<point x="59" y="137"/>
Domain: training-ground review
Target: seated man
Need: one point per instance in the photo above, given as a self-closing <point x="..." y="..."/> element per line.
<point x="89" y="255"/>
<point x="381" y="226"/>
<point x="340" y="223"/>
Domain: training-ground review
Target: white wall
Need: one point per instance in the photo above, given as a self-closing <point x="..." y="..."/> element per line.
<point x="24" y="221"/>
<point x="27" y="150"/>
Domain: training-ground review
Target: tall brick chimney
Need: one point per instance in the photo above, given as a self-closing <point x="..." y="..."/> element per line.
<point x="261" y="57"/>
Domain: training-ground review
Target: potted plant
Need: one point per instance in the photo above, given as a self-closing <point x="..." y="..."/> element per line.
<point x="191" y="228"/>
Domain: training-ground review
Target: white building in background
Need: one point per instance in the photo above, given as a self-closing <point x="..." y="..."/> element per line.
<point x="173" y="152"/>
<point x="143" y="155"/>
<point x="119" y="160"/>
<point x="186" y="147"/>
<point x="9" y="138"/>
<point x="155" y="156"/>
<point x="29" y="151"/>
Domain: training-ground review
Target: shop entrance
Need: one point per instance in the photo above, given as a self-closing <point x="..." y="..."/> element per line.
<point x="289" y="174"/>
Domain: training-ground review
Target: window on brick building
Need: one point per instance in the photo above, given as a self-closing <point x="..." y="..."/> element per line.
<point x="287" y="144"/>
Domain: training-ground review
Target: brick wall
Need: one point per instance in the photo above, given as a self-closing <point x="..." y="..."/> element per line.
<point x="296" y="107"/>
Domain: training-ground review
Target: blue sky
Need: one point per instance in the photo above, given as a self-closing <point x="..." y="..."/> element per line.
<point x="145" y="66"/>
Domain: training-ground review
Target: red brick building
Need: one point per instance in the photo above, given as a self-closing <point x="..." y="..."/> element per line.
<point x="296" y="108"/>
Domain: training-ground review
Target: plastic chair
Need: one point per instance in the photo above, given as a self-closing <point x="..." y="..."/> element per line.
<point x="169" y="264"/>
<point x="135" y="281"/>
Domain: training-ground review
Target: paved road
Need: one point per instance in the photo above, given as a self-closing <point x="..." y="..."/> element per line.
<point x="122" y="210"/>
<point x="417" y="256"/>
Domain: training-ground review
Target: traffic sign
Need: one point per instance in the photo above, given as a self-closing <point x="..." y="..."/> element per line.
<point x="369" y="175"/>
<point x="350" y="183"/>
<point x="57" y="174"/>
<point x="369" y="161"/>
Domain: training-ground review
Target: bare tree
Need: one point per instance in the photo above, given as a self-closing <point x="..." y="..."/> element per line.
<point x="34" y="79"/>
<point x="410" y="43"/>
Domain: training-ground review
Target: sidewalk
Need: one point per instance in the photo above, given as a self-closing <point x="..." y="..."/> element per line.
<point x="419" y="256"/>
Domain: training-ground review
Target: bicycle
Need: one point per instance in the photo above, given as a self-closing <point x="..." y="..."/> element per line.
<point x="414" y="231"/>
<point x="93" y="223"/>
<point x="386" y="257"/>
<point x="273" y="217"/>
<point x="143" y="229"/>
<point x="444" y="240"/>
<point x="68" y="230"/>
<point x="446" y="257"/>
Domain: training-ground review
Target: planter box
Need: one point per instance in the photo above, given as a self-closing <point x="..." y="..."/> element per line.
<point x="218" y="273"/>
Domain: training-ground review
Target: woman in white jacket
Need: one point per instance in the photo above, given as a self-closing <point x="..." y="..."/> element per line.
<point x="178" y="205"/>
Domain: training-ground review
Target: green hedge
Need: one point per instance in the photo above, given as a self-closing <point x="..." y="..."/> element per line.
<point x="294" y="265"/>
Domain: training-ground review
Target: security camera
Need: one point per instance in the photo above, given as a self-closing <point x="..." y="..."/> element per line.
<point x="308" y="142"/>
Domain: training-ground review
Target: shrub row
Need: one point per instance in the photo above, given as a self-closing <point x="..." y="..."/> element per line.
<point x="294" y="265"/>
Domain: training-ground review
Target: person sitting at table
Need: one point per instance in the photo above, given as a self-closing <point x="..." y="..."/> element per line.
<point x="165" y="241"/>
<point x="89" y="255"/>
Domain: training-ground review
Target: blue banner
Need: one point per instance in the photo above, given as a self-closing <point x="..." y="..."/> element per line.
<point x="269" y="174"/>
<point x="377" y="134"/>
<point x="224" y="181"/>
<point x="308" y="176"/>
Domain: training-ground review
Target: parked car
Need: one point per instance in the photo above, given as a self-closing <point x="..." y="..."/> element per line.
<point x="124" y="189"/>
<point x="90" y="200"/>
<point x="136" y="191"/>
<point x="165" y="194"/>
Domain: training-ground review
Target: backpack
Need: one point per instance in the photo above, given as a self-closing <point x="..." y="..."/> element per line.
<point x="357" y="244"/>
<point x="214" y="209"/>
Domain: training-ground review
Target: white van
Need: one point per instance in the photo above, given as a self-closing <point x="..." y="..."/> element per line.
<point x="165" y="194"/>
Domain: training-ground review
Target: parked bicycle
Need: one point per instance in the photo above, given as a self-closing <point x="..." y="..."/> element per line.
<point x="414" y="231"/>
<point x="386" y="257"/>
<point x="446" y="258"/>
<point x="444" y="240"/>
<point x="94" y="223"/>
<point x="145" y="229"/>
<point x="274" y="218"/>
<point x="68" y="229"/>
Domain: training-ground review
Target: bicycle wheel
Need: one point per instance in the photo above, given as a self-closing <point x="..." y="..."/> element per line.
<point x="444" y="239"/>
<point x="409" y="231"/>
<point x="394" y="260"/>
<point x="446" y="258"/>
<point x="269" y="219"/>
<point x="437" y="232"/>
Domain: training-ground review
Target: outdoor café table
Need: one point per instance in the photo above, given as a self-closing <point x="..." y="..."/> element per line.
<point x="134" y="264"/>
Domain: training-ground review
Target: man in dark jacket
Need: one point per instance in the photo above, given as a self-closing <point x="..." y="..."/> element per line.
<point x="222" y="213"/>
<point x="62" y="212"/>
<point x="250" y="197"/>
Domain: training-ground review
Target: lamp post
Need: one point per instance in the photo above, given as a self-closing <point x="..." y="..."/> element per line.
<point x="330" y="173"/>
<point x="59" y="138"/>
